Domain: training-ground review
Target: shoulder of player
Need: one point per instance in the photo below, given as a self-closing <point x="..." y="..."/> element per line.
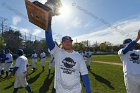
<point x="77" y="53"/>
<point x="120" y="51"/>
<point x="135" y="51"/>
<point x="21" y="57"/>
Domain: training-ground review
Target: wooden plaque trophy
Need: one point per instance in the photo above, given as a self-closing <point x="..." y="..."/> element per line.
<point x="38" y="13"/>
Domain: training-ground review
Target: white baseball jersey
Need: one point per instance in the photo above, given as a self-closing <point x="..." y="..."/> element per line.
<point x="131" y="62"/>
<point x="10" y="58"/>
<point x="43" y="55"/>
<point x="34" y="56"/>
<point x="88" y="54"/>
<point x="52" y="62"/>
<point x="21" y="63"/>
<point x="82" y="54"/>
<point x="68" y="67"/>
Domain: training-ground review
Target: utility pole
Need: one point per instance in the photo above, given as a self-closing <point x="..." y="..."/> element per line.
<point x="87" y="43"/>
<point x="76" y="40"/>
<point x="2" y="24"/>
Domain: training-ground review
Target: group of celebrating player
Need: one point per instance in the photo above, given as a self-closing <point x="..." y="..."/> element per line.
<point x="70" y="65"/>
<point x="6" y="60"/>
<point x="20" y="67"/>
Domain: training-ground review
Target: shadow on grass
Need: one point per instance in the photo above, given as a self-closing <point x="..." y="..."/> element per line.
<point x="9" y="86"/>
<point x="33" y="79"/>
<point x="47" y="82"/>
<point x="53" y="90"/>
<point x="102" y="80"/>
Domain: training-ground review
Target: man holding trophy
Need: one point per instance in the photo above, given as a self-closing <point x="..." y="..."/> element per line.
<point x="69" y="64"/>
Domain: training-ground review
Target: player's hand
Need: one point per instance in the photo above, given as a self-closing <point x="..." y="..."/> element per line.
<point x="138" y="36"/>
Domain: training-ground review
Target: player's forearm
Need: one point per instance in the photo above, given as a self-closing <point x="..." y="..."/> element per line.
<point x="86" y="82"/>
<point x="129" y="47"/>
<point x="14" y="70"/>
<point x="49" y="38"/>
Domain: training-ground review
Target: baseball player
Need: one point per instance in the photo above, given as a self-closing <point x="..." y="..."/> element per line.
<point x="2" y="62"/>
<point x="69" y="64"/>
<point x="43" y="59"/>
<point x="88" y="56"/>
<point x="82" y="53"/>
<point x="20" y="69"/>
<point x="8" y="62"/>
<point x="51" y="63"/>
<point x="131" y="65"/>
<point x="34" y="60"/>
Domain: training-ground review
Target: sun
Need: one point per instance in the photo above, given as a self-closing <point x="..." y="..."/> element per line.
<point x="65" y="11"/>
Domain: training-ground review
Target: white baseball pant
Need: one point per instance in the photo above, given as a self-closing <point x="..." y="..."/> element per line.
<point x="1" y="67"/>
<point x="20" y="80"/>
<point x="43" y="61"/>
<point x="132" y="83"/>
<point x="34" y="61"/>
<point x="88" y="61"/>
<point x="7" y="66"/>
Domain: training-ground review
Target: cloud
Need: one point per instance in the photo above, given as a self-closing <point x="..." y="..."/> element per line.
<point x="36" y="31"/>
<point x="42" y="1"/>
<point x="16" y="20"/>
<point x="21" y="29"/>
<point x="76" y="22"/>
<point x="125" y="29"/>
<point x="24" y="30"/>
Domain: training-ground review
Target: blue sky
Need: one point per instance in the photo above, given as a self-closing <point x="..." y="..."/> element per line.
<point x="92" y="20"/>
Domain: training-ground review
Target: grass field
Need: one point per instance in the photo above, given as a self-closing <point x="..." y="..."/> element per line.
<point x="103" y="78"/>
<point x="106" y="58"/>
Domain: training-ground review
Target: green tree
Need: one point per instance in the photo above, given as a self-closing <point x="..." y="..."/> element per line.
<point x="2" y="43"/>
<point x="79" y="47"/>
<point x="13" y="40"/>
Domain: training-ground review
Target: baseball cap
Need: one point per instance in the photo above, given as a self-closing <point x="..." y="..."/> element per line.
<point x="126" y="41"/>
<point x="3" y="51"/>
<point x="20" y="52"/>
<point x="66" y="38"/>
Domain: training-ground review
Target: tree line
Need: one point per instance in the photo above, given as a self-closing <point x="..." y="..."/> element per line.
<point x="13" y="40"/>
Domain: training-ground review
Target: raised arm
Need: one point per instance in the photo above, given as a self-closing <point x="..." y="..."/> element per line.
<point x="49" y="38"/>
<point x="131" y="45"/>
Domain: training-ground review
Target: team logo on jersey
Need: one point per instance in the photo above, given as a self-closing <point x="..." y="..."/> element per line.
<point x="68" y="62"/>
<point x="135" y="58"/>
<point x="68" y="65"/>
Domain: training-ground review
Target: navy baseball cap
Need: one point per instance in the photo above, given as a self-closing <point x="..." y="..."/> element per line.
<point x="66" y="38"/>
<point x="126" y="41"/>
<point x="3" y="51"/>
<point x="20" y="52"/>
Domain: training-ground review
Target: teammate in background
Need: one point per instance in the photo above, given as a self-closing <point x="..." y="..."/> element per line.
<point x="20" y="69"/>
<point x="131" y="65"/>
<point x="51" y="63"/>
<point x="2" y="62"/>
<point x="34" y="61"/>
<point x="88" y="56"/>
<point x="8" y="62"/>
<point x="43" y="59"/>
<point x="69" y="64"/>
<point x="82" y="53"/>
